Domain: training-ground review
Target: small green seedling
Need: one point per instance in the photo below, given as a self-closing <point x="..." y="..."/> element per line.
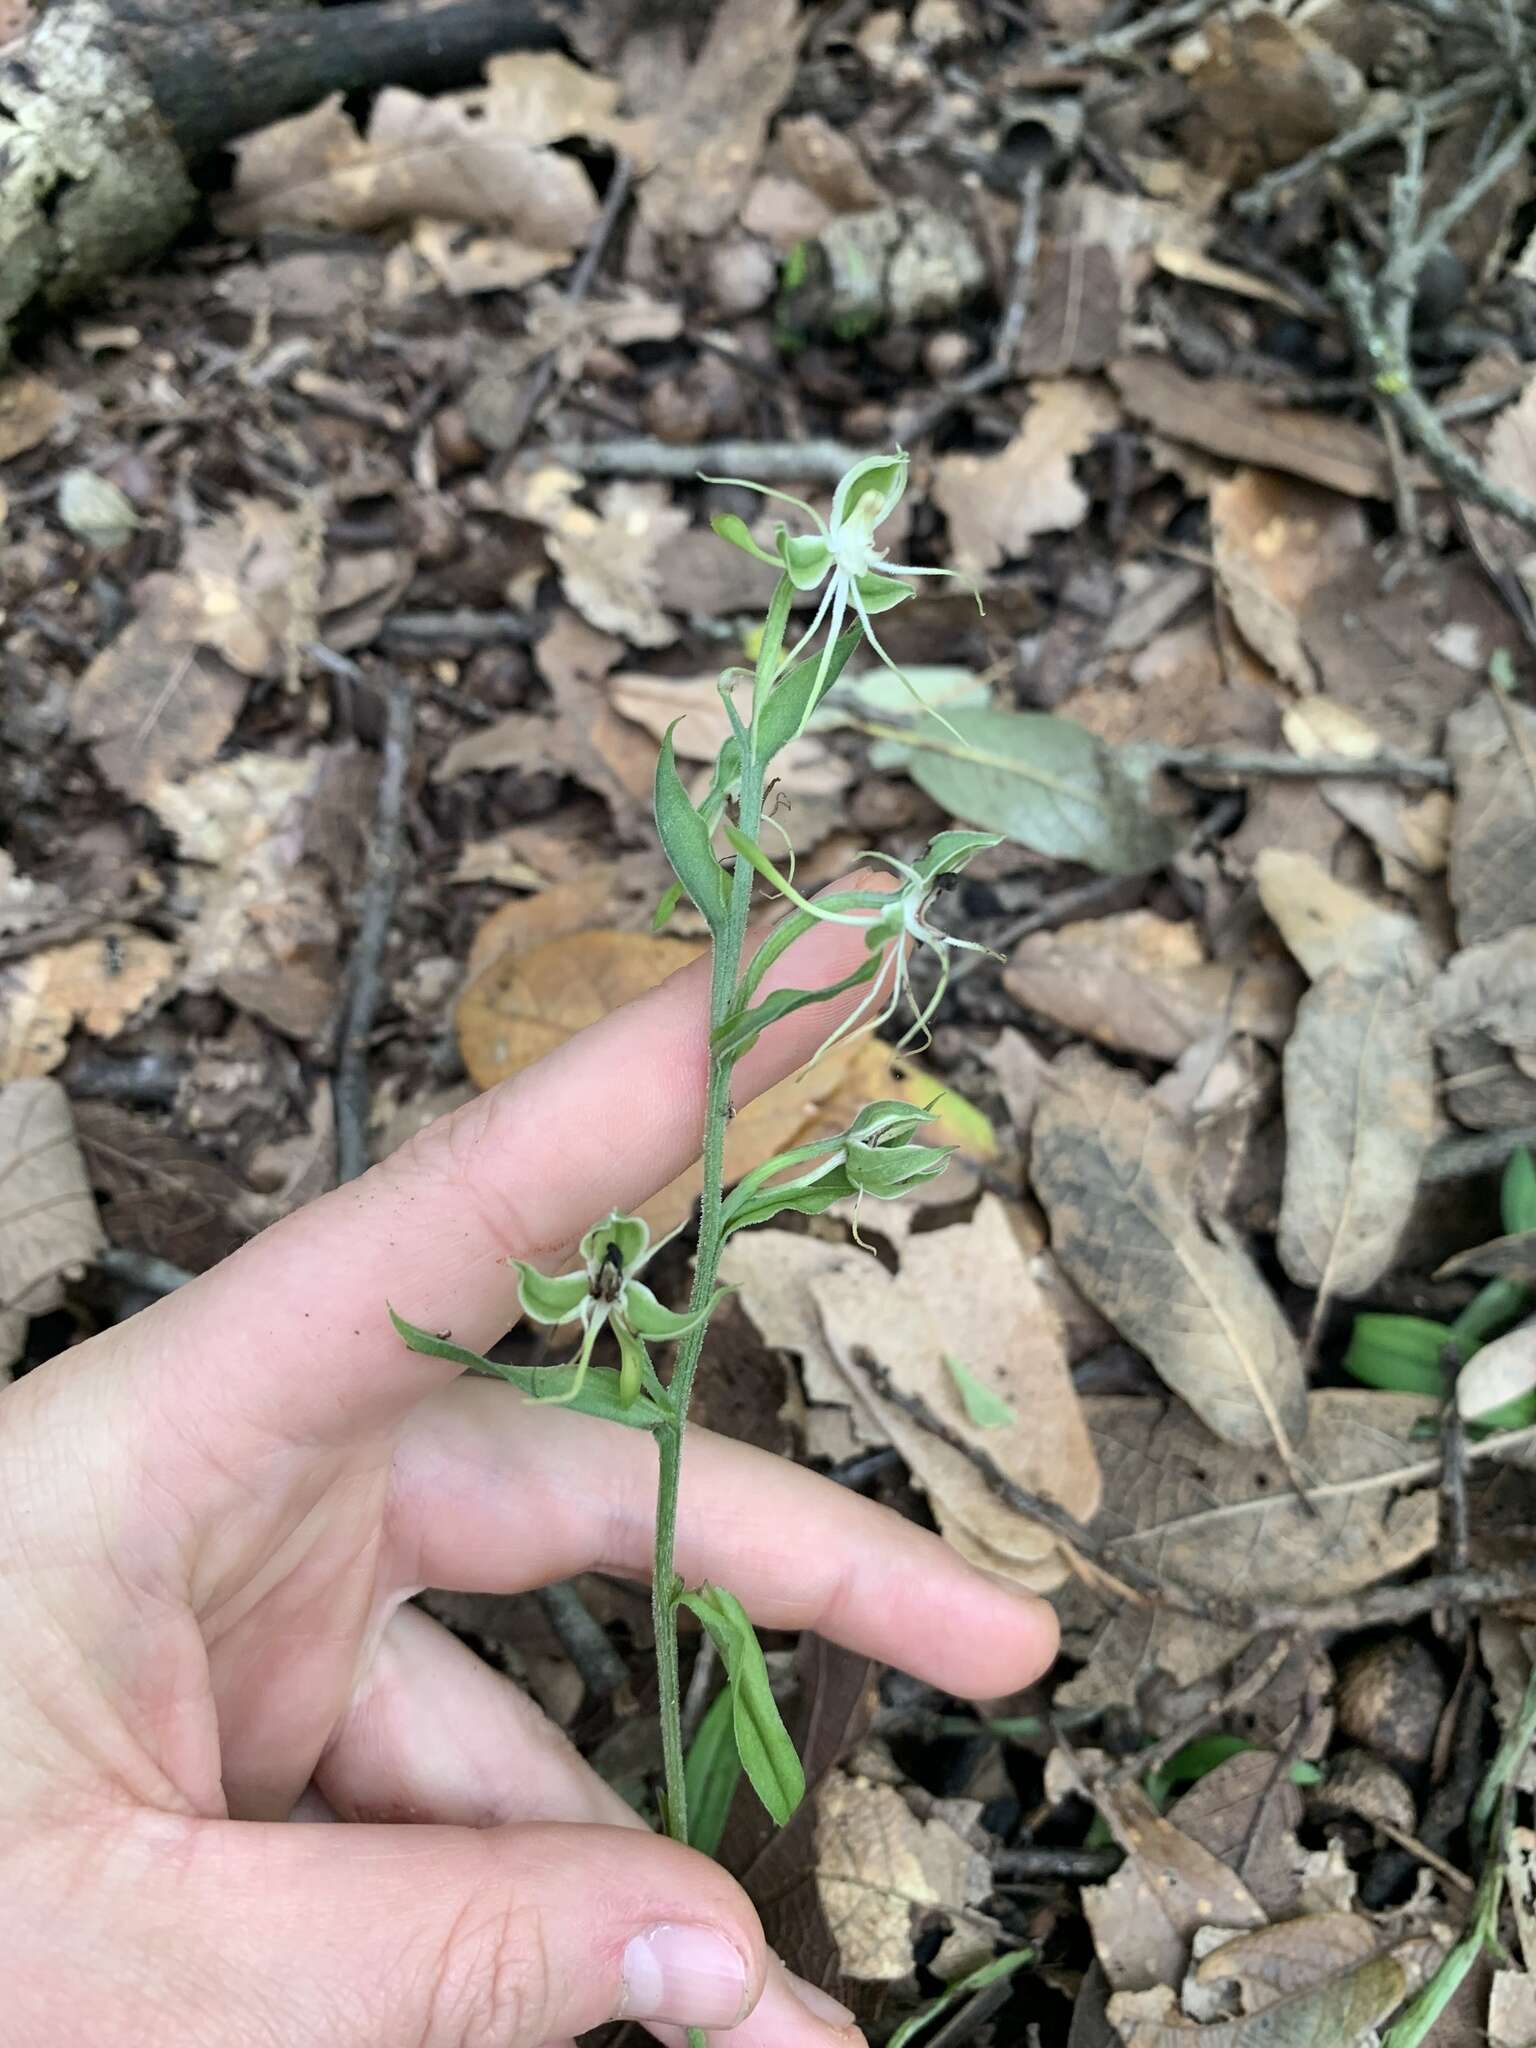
<point x="714" y="847"/>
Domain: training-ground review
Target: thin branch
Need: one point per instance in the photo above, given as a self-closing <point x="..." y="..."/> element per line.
<point x="776" y="462"/>
<point x="1114" y="43"/>
<point x="1465" y="1157"/>
<point x="364" y="967"/>
<point x="411" y="630"/>
<point x="583" y="1639"/>
<point x="1238" y="1694"/>
<point x="1077" y="1866"/>
<point x="141" y="1269"/>
<point x="1384" y="766"/>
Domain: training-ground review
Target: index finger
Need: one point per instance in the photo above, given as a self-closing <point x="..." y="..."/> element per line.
<point x="296" y="1319"/>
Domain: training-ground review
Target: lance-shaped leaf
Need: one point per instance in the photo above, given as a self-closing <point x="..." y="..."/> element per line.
<point x="711" y="1774"/>
<point x="685" y="838"/>
<point x="767" y="1754"/>
<point x="796" y="695"/>
<point x="600" y="1394"/>
<point x="1403" y="1354"/>
<point x="737" y="1035"/>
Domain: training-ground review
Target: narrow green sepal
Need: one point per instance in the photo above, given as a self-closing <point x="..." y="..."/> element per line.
<point x="881" y="593"/>
<point x="644" y="1313"/>
<point x="550" y="1298"/>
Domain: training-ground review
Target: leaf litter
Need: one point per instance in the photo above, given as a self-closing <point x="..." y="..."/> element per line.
<point x="1248" y="694"/>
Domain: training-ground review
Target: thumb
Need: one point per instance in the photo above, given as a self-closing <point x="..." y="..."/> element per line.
<point x="368" y="1937"/>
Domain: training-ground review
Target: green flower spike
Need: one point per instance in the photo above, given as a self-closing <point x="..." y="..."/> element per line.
<point x="862" y="579"/>
<point x="606" y="1292"/>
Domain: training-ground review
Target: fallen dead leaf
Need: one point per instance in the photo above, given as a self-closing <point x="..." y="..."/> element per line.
<point x="1246" y="1812"/>
<point x="882" y="1875"/>
<point x="1483" y="1011"/>
<point x="1144" y="1918"/>
<point x="1327" y="924"/>
<point x="1402" y="827"/>
<point x="609" y="560"/>
<point x="101" y="984"/>
<point x="1273" y="89"/>
<point x="1512" y="2010"/>
<point x="1275" y="541"/>
<point x="48" y="1221"/>
<point x="30" y="409"/>
<point x="1115" y="1175"/>
<point x="1207" y="1515"/>
<point x="1492" y="745"/>
<point x="830" y="162"/>
<point x="996" y="504"/>
<point x="1138" y="982"/>
<point x="717" y="125"/>
<point x="1225" y="416"/>
<point x="1337" y="2011"/>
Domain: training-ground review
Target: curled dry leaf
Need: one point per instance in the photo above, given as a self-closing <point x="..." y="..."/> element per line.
<point x="1359" y="1116"/>
<point x="48" y="1220"/>
<point x="1138" y="982"/>
<point x="1214" y="1518"/>
<point x="101" y="983"/>
<point x="1483" y="1009"/>
<point x="968" y="1293"/>
<point x="996" y="504"/>
<point x="1492" y="745"/>
<point x="1337" y="2011"/>
<point x="882" y="1875"/>
<point x="1275" y="541"/>
<point x="1116" y="1177"/>
<point x="716" y="128"/>
<point x="1145" y="1916"/>
<point x="609" y="560"/>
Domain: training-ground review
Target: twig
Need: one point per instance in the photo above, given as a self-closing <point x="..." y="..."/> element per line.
<point x="1260" y="198"/>
<point x="1077" y="1866"/>
<point x="1021" y="286"/>
<point x="363" y="968"/>
<point x="821" y="462"/>
<point x="1404" y="503"/>
<point x="583" y="1639"/>
<point x="1123" y="42"/>
<point x="538" y="380"/>
<point x="1422" y="1853"/>
<point x="432" y="629"/>
<point x="1491" y="1588"/>
<point x="141" y="1269"/>
<point x="1465" y="1157"/>
<point x="1384" y="766"/>
<point x="1238" y="1694"/>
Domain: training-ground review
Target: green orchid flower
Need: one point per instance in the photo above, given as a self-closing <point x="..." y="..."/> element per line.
<point x="606" y="1292"/>
<point x="876" y="1156"/>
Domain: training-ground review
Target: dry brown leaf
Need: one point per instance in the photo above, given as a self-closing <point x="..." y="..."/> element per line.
<point x="716" y="127"/>
<point x="1327" y="924"/>
<point x="1144" y="1918"/>
<point x="882" y="1875"/>
<point x="1116" y="1177"/>
<point x="1246" y="1812"/>
<point x="1274" y="89"/>
<point x="101" y="983"/>
<point x="1076" y="315"/>
<point x="1359" y="1117"/>
<point x="1492" y="745"/>
<point x="1483" y="1009"/>
<point x="967" y="1293"/>
<point x="1226" y="416"/>
<point x="1275" y="541"/>
<point x="1512" y="2010"/>
<point x="1402" y="827"/>
<point x="48" y="1221"/>
<point x="1211" y="1517"/>
<point x="609" y="560"/>
<point x="163" y="1194"/>
<point x="1337" y="2011"/>
<point x="1508" y="457"/>
<point x="996" y="504"/>
<point x="30" y="409"/>
<point x="830" y="162"/>
<point x="1142" y="983"/>
<point x="528" y="1003"/>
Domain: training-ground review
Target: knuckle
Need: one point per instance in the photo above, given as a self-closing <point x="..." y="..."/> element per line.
<point x="467" y="1154"/>
<point x="491" y="1981"/>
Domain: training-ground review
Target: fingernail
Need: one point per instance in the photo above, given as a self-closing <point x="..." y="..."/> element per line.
<point x="818" y="2003"/>
<point x="688" y="1975"/>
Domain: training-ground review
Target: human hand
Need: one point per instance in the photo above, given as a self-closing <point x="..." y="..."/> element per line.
<point x="211" y="1519"/>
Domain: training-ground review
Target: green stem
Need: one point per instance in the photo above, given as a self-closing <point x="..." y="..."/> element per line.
<point x="729" y="946"/>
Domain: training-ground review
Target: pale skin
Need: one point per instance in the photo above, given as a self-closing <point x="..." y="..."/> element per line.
<point x="211" y="1520"/>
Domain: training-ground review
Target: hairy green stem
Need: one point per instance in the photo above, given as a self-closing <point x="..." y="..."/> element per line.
<point x="729" y="945"/>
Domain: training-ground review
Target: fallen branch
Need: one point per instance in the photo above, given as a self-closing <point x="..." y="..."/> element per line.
<point x="583" y="1639"/>
<point x="364" y="967"/>
<point x="1384" y="766"/>
<point x="1114" y="43"/>
<point x="777" y="462"/>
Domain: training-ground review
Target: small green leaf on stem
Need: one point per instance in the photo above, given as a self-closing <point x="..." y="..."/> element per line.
<point x="984" y="1408"/>
<point x="762" y="1741"/>
<point x="713" y="1772"/>
<point x="1517" y="1195"/>
<point x="601" y="1395"/>
<point x="965" y="1987"/>
<point x="685" y="838"/>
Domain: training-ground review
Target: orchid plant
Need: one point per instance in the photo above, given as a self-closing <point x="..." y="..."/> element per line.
<point x="713" y="845"/>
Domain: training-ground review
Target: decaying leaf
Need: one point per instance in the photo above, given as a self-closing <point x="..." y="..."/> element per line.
<point x="1273" y="88"/>
<point x="1512" y="2010"/>
<point x="1228" y="417"/>
<point x="882" y="1875"/>
<point x="48" y="1220"/>
<point x="1275" y="541"/>
<point x="528" y="1003"/>
<point x="1359" y="1117"/>
<point x="1326" y="924"/>
<point x="1483" y="1010"/>
<point x="715" y="130"/>
<point x="1337" y="2011"/>
<point x="1116" y="1177"/>
<point x="1138" y="982"/>
<point x="101" y="984"/>
<point x="609" y="560"/>
<point x="968" y="1292"/>
<point x="996" y="504"/>
<point x="30" y="409"/>
<point x="1402" y="826"/>
<point x="1492" y="745"/>
<point x="1216" y="1518"/>
<point x="1246" y="1813"/>
<point x="162" y="1194"/>
<point x="1145" y="1916"/>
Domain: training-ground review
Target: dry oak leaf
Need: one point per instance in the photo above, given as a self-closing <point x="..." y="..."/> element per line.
<point x="1359" y="1115"/>
<point x="48" y="1220"/>
<point x="1216" y="1519"/>
<point x="1492" y="745"/>
<point x="1401" y="826"/>
<point x="1246" y="1812"/>
<point x="1483" y="1012"/>
<point x="1144" y="1918"/>
<point x="1336" y="2011"/>
<point x="882" y="1874"/>
<point x="1274" y="541"/>
<point x="996" y="504"/>
<point x="30" y="409"/>
<point x="1138" y="982"/>
<point x="1116" y="1176"/>
<point x="1327" y="924"/>
<point x="101" y="983"/>
<point x="1225" y="416"/>
<point x="716" y="126"/>
<point x="968" y="1293"/>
